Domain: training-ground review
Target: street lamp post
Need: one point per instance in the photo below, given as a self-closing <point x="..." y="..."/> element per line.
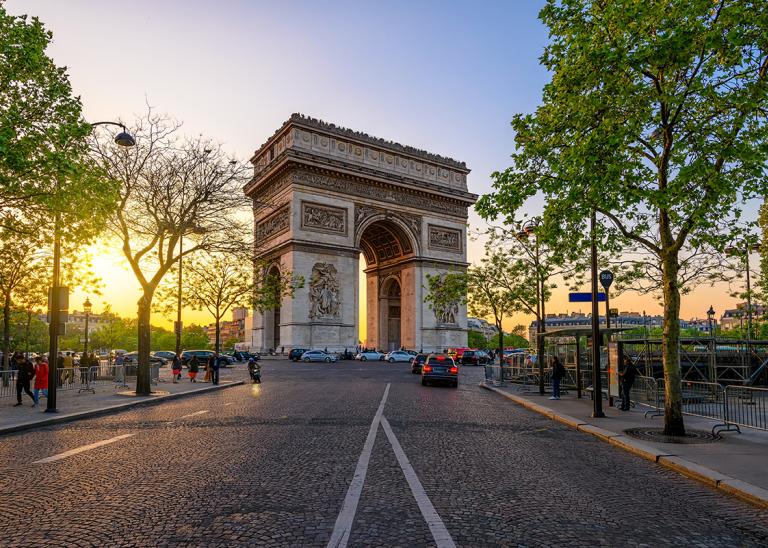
<point x="749" y="247"/>
<point x="87" y="309"/>
<point x="597" y="382"/>
<point x="712" y="360"/>
<point x="123" y="139"/>
<point x="526" y="230"/>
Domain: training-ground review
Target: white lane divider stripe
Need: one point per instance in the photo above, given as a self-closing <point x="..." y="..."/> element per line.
<point x="226" y="404"/>
<point x="436" y="526"/>
<point x="81" y="449"/>
<point x="203" y="412"/>
<point x="343" y="527"/>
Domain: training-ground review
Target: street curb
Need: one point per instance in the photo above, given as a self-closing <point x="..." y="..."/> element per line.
<point x="70" y="417"/>
<point x="745" y="491"/>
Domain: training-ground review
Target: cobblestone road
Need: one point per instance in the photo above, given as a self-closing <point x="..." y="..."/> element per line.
<point x="270" y="465"/>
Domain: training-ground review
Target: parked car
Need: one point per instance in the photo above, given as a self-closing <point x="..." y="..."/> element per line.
<point x="241" y="356"/>
<point x="416" y="363"/>
<point x="132" y="358"/>
<point x="167" y="355"/>
<point x="202" y="356"/>
<point x="456" y="353"/>
<point x="295" y="354"/>
<point x="398" y="356"/>
<point x="318" y="356"/>
<point x="369" y="355"/>
<point x="440" y="368"/>
<point x="474" y="357"/>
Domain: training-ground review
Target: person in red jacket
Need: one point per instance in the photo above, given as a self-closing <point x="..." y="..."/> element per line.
<point x="41" y="379"/>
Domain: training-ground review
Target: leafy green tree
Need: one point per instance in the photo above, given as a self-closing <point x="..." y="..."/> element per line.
<point x="486" y="297"/>
<point x="655" y="119"/>
<point x="170" y="189"/>
<point x="445" y="292"/>
<point x="194" y="337"/>
<point x="475" y="339"/>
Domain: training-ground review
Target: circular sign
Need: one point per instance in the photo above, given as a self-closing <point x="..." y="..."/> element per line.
<point x="606" y="278"/>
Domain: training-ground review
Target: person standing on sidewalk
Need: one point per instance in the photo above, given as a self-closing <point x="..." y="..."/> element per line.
<point x="194" y="367"/>
<point x="41" y="379"/>
<point x="26" y="372"/>
<point x="627" y="378"/>
<point x="69" y="368"/>
<point x="176" y="368"/>
<point x="213" y="368"/>
<point x="558" y="372"/>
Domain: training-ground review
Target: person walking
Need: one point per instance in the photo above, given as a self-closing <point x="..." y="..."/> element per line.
<point x="213" y="368"/>
<point x="558" y="372"/>
<point x="26" y="372"/>
<point x="119" y="370"/>
<point x="194" y="367"/>
<point x="176" y="368"/>
<point x="627" y="379"/>
<point x="41" y="379"/>
<point x="69" y="368"/>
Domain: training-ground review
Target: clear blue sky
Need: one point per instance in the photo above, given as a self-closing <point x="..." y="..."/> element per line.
<point x="440" y="75"/>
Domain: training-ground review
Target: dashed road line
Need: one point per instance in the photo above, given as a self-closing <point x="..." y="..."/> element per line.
<point x="203" y="412"/>
<point x="343" y="527"/>
<point x="436" y="526"/>
<point x="226" y="404"/>
<point x="88" y="447"/>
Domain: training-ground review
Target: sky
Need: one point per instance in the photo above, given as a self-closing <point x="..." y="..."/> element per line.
<point x="445" y="76"/>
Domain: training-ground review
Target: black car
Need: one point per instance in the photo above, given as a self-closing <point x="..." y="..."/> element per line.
<point x="440" y="368"/>
<point x="416" y="363"/>
<point x="474" y="357"/>
<point x="295" y="354"/>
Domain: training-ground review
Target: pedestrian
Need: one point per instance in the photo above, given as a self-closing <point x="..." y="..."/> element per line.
<point x="213" y="368"/>
<point x="194" y="367"/>
<point x="26" y="372"/>
<point x="626" y="380"/>
<point x="85" y="363"/>
<point x="558" y="372"/>
<point x="208" y="370"/>
<point x="176" y="368"/>
<point x="41" y="379"/>
<point x="69" y="368"/>
<point x="59" y="369"/>
<point x="119" y="369"/>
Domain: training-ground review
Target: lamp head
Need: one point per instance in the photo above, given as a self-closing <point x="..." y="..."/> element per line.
<point x="87" y="305"/>
<point x="125" y="139"/>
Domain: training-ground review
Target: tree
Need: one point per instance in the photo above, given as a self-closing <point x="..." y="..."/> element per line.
<point x="170" y="189"/>
<point x="216" y="284"/>
<point x="485" y="296"/>
<point x="445" y="292"/>
<point x="194" y="336"/>
<point x="654" y="119"/>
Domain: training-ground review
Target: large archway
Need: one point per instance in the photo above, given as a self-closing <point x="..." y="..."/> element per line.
<point x="272" y="317"/>
<point x="386" y="244"/>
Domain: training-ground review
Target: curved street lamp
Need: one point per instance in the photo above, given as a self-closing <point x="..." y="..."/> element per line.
<point x="123" y="139"/>
<point x="527" y="230"/>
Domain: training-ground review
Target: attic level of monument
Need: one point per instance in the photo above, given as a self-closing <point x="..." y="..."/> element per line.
<point x="314" y="143"/>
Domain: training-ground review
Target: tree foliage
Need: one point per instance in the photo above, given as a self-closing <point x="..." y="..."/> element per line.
<point x="655" y="118"/>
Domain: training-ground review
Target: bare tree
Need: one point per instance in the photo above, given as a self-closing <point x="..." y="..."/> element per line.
<point x="170" y="188"/>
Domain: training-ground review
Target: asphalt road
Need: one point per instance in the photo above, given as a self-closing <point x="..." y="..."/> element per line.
<point x="273" y="464"/>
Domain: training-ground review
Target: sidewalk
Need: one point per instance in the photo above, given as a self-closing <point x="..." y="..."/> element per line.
<point x="107" y="399"/>
<point x="735" y="464"/>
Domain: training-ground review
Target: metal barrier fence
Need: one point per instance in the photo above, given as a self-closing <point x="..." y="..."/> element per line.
<point x="745" y="406"/>
<point x="7" y="383"/>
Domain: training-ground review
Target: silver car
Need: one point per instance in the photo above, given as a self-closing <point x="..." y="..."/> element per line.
<point x="398" y="356"/>
<point x="318" y="356"/>
<point x="370" y="355"/>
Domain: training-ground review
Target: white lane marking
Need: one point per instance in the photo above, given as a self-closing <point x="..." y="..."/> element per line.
<point x="226" y="404"/>
<point x="343" y="527"/>
<point x="81" y="449"/>
<point x="436" y="526"/>
<point x="203" y="412"/>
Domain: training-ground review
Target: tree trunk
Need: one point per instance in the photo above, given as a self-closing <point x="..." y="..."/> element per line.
<point x="6" y="335"/>
<point x="217" y="345"/>
<point x="143" y="382"/>
<point x="673" y="391"/>
<point x="501" y="343"/>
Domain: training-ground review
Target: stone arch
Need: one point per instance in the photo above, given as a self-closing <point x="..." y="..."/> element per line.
<point x="398" y="231"/>
<point x="272" y="318"/>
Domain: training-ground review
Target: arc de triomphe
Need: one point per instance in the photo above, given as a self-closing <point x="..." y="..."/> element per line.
<point x="322" y="195"/>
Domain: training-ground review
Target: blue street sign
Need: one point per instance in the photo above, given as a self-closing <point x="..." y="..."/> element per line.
<point x="585" y="297"/>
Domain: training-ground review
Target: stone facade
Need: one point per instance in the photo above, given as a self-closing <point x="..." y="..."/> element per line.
<point x="322" y="195"/>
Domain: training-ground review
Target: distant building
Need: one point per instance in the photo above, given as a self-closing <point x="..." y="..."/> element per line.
<point x="76" y="320"/>
<point x="735" y="318"/>
<point x="579" y="319"/>
<point x="482" y="326"/>
<point x="228" y="330"/>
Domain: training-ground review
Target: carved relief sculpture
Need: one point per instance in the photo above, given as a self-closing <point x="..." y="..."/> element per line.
<point x="443" y="238"/>
<point x="273" y="225"/>
<point x="324" y="292"/>
<point x="323" y="218"/>
<point x="447" y="313"/>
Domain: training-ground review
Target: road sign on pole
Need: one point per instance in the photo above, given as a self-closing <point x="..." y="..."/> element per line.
<point x="606" y="279"/>
<point x="585" y="297"/>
